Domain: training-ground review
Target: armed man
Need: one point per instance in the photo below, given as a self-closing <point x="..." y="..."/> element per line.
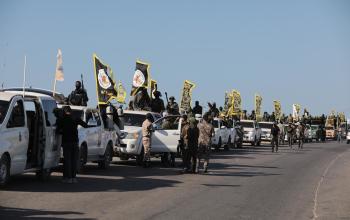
<point x="172" y="107"/>
<point x="78" y="96"/>
<point x="275" y="131"/>
<point x="197" y="110"/>
<point x="157" y="104"/>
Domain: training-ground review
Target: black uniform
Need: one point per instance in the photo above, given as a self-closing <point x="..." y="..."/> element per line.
<point x="68" y="127"/>
<point x="78" y="97"/>
<point x="275" y="132"/>
<point x="157" y="105"/>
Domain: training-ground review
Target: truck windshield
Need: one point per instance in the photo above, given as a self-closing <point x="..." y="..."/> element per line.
<point x="265" y="125"/>
<point x="246" y="124"/>
<point x="134" y="120"/>
<point x="4" y="105"/>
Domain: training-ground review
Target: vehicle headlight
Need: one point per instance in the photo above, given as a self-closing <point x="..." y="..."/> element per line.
<point x="132" y="136"/>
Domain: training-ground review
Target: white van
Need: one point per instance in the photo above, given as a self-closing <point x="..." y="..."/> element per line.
<point x="28" y="141"/>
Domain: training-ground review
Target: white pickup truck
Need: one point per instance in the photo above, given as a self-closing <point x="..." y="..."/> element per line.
<point x="165" y="137"/>
<point x="28" y="141"/>
<point x="222" y="136"/>
<point x="95" y="142"/>
<point x="252" y="132"/>
<point x="265" y="127"/>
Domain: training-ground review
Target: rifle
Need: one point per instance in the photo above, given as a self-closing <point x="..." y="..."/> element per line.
<point x="166" y="96"/>
<point x="83" y="88"/>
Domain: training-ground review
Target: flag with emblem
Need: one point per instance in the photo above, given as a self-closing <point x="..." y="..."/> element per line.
<point x="141" y="77"/>
<point x="105" y="85"/>
<point x="236" y="105"/>
<point x="121" y="93"/>
<point x="186" y="96"/>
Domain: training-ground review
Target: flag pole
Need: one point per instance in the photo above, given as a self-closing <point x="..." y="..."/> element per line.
<point x="24" y="74"/>
<point x="54" y="87"/>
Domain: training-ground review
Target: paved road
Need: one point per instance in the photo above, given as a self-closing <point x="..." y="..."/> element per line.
<point x="250" y="183"/>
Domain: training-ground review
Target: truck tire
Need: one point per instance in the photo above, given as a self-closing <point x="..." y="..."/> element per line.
<point x="4" y="170"/>
<point x="107" y="158"/>
<point x="139" y="158"/>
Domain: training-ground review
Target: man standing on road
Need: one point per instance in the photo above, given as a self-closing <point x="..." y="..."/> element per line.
<point x="206" y="132"/>
<point x="68" y="126"/>
<point x="290" y="134"/>
<point x="301" y="134"/>
<point x="192" y="143"/>
<point x="275" y="131"/>
<point x="147" y="130"/>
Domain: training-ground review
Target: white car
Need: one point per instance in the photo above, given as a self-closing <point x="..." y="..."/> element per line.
<point x="222" y="136"/>
<point x="252" y="132"/>
<point x="28" y="141"/>
<point x="95" y="142"/>
<point x="308" y="133"/>
<point x="165" y="138"/>
<point x="266" y="130"/>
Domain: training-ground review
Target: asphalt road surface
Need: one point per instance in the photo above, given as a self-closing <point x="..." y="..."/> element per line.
<point x="249" y="183"/>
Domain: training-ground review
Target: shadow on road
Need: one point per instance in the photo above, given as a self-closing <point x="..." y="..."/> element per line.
<point x="21" y="214"/>
<point x="220" y="185"/>
<point x="88" y="184"/>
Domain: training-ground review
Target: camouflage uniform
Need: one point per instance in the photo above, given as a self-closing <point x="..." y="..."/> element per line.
<point x="206" y="131"/>
<point x="146" y="139"/>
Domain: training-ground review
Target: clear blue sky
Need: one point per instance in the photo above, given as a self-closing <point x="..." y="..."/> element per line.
<point x="294" y="51"/>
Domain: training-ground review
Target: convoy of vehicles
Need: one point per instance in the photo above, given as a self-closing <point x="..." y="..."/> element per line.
<point x="29" y="143"/>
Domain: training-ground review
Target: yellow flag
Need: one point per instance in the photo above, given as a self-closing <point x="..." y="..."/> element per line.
<point x="278" y="109"/>
<point x="121" y="93"/>
<point x="258" y="103"/>
<point x="186" y="96"/>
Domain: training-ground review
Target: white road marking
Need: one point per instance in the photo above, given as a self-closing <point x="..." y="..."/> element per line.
<point x="320" y="183"/>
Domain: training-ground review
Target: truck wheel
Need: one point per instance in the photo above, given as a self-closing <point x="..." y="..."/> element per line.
<point x="228" y="145"/>
<point x="348" y="142"/>
<point x="43" y="174"/>
<point x="108" y="156"/>
<point x="82" y="158"/>
<point x="4" y="170"/>
<point x="139" y="158"/>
